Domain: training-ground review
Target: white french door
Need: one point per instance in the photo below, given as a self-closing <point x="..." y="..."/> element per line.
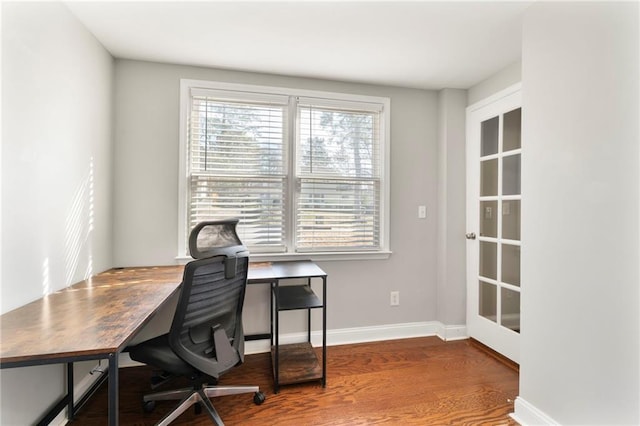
<point x="494" y="198"/>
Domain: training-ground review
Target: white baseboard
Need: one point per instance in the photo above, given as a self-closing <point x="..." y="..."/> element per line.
<point x="347" y="336"/>
<point x="528" y="415"/>
<point x="452" y="332"/>
<point x="79" y="390"/>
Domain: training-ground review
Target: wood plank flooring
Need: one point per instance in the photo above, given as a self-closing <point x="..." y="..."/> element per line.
<point x="421" y="381"/>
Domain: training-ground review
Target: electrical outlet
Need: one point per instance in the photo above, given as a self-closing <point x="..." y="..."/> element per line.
<point x="395" y="298"/>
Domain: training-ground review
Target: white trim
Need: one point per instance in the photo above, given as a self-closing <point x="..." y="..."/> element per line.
<point x="291" y="155"/>
<point x="124" y="360"/>
<point x="528" y="415"/>
<point x="495" y="97"/>
<point x="449" y="333"/>
<point x="78" y="392"/>
<point x="306" y="102"/>
<point x="61" y="419"/>
<point x="228" y="95"/>
<point x="378" y="333"/>
<point x="370" y="103"/>
<point x="316" y="257"/>
<point x="348" y="336"/>
<point x="385" y="197"/>
<point x="183" y="170"/>
<point x="277" y="90"/>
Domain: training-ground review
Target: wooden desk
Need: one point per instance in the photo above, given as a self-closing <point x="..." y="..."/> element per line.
<point x="93" y="319"/>
<point x="96" y="319"/>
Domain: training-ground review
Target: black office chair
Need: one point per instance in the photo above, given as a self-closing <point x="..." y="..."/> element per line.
<point x="206" y="338"/>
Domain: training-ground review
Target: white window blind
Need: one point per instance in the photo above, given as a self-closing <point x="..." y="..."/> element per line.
<point x="237" y="166"/>
<point x="338" y="178"/>
<point x="305" y="172"/>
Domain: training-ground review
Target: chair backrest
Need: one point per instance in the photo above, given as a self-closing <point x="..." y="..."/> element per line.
<point x="206" y="331"/>
<point x="214" y="237"/>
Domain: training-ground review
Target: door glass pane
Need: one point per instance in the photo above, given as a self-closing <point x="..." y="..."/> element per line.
<point x="488" y="297"/>
<point x="511" y="175"/>
<point x="511" y="130"/>
<point x="511" y="220"/>
<point x="489" y="177"/>
<point x="489" y="137"/>
<point x="510" y="307"/>
<point x="488" y="259"/>
<point x="489" y="219"/>
<point x="510" y="264"/>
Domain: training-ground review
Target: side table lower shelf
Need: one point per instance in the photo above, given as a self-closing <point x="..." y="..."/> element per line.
<point x="298" y="363"/>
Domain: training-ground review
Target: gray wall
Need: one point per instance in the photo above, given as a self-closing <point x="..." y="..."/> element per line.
<point x="451" y="277"/>
<point x="146" y="191"/>
<point x="56" y="175"/>
<point x="580" y="360"/>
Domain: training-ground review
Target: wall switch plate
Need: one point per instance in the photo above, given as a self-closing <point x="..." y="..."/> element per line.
<point x="395" y="298"/>
<point x="422" y="212"/>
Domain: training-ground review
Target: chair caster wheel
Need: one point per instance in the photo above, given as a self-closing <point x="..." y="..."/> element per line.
<point x="258" y="398"/>
<point x="148" y="406"/>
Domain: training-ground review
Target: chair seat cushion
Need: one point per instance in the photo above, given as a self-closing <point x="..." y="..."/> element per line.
<point x="158" y="353"/>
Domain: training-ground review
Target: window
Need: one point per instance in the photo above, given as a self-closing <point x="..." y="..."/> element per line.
<point x="305" y="172"/>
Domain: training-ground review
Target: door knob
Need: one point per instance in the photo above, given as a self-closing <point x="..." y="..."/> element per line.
<point x="471" y="236"/>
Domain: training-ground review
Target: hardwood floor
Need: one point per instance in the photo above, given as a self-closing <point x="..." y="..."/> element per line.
<point x="422" y="381"/>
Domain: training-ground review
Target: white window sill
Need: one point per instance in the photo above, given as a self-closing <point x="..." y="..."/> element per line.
<point x="319" y="257"/>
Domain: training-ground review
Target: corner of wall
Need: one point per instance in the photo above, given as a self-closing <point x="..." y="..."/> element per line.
<point x="502" y="79"/>
<point x="451" y="253"/>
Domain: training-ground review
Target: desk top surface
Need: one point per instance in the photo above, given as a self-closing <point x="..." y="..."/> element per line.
<point x="270" y="271"/>
<point x="100" y="315"/>
<point x="92" y="318"/>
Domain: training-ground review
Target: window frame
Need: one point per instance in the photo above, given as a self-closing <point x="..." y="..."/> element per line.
<point x="187" y="85"/>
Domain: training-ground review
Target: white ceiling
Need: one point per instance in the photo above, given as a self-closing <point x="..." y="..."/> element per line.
<point x="423" y="44"/>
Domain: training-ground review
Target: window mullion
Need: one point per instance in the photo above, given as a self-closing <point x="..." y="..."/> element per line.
<point x="292" y="174"/>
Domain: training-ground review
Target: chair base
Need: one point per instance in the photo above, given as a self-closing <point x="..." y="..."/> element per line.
<point x="191" y="396"/>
